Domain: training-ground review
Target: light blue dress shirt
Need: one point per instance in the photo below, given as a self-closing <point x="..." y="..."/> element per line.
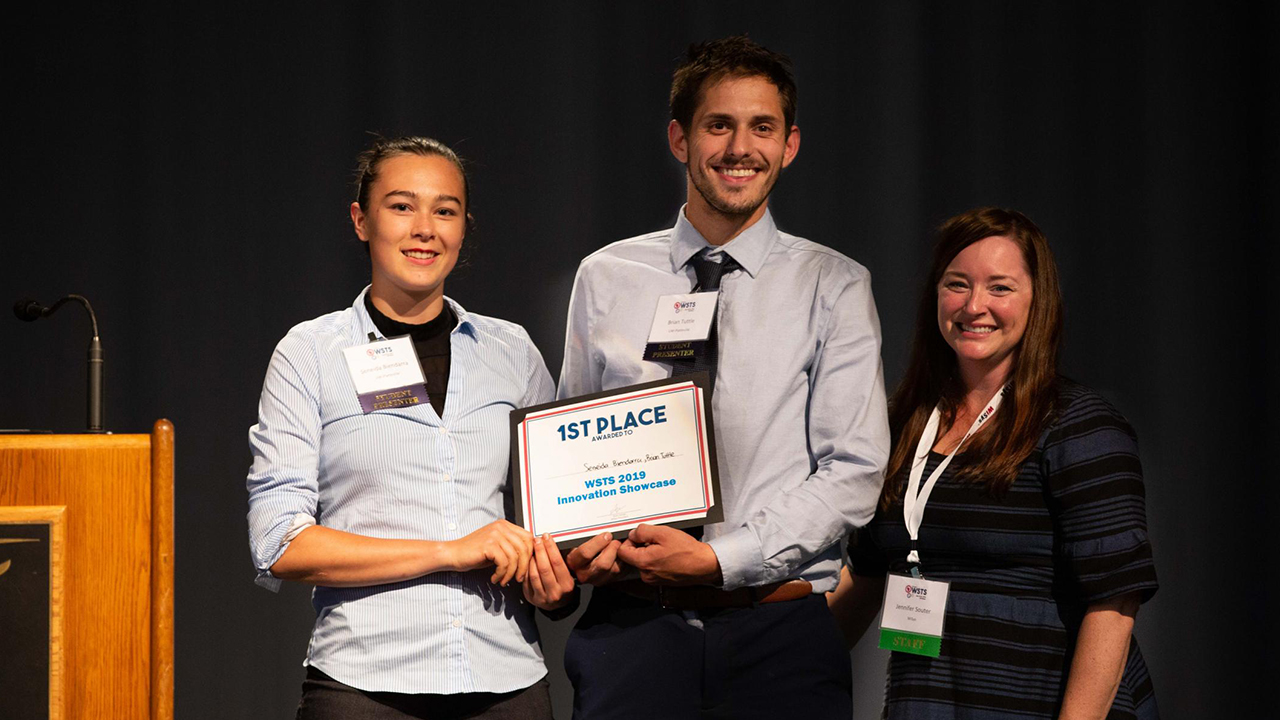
<point x="399" y="473"/>
<point x="801" y="428"/>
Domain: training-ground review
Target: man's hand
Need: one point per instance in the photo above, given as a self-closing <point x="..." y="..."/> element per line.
<point x="548" y="584"/>
<point x="667" y="556"/>
<point x="596" y="560"/>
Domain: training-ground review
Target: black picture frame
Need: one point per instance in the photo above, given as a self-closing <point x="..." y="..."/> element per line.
<point x="702" y="380"/>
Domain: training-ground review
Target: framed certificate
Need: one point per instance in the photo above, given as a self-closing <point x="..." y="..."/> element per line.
<point x="610" y="461"/>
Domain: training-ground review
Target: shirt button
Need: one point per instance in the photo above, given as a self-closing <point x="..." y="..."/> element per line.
<point x="447" y="478"/>
<point x="453" y="526"/>
<point x="457" y="622"/>
<point x="444" y="430"/>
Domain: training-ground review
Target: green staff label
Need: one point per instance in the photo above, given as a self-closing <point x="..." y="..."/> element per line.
<point x="899" y="641"/>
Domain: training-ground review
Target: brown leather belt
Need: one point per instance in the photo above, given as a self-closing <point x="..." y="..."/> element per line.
<point x="702" y="597"/>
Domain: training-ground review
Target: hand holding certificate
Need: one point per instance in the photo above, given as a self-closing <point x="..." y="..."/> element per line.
<point x="610" y="461"/>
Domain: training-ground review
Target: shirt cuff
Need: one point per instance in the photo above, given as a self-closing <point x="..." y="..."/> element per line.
<point x="741" y="563"/>
<point x="301" y="521"/>
<point x="267" y="580"/>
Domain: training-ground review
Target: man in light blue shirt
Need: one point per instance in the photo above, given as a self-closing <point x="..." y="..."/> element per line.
<point x="740" y="628"/>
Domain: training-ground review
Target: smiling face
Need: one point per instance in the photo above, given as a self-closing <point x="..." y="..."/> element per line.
<point x="735" y="147"/>
<point x="984" y="300"/>
<point x="414" y="223"/>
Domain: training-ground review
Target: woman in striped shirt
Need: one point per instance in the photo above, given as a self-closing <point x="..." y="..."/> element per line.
<point x="1038" y="520"/>
<point x="395" y="510"/>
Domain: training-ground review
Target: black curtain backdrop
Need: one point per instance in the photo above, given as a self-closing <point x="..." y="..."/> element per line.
<point x="188" y="169"/>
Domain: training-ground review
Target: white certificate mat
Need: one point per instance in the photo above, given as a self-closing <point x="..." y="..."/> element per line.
<point x="610" y="461"/>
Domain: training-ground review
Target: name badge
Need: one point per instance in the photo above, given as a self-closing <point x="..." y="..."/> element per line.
<point x="913" y="611"/>
<point x="386" y="374"/>
<point x="681" y="325"/>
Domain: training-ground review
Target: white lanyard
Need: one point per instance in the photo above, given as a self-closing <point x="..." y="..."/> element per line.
<point x="916" y="497"/>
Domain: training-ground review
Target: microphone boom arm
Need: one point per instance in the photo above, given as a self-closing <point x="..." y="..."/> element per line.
<point x="32" y="310"/>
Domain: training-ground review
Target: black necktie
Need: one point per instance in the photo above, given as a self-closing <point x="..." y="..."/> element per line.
<point x="709" y="273"/>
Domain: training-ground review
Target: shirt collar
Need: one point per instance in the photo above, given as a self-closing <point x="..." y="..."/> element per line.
<point x="365" y="324"/>
<point x="749" y="248"/>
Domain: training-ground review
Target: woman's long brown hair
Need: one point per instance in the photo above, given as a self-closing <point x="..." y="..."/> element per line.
<point x="932" y="377"/>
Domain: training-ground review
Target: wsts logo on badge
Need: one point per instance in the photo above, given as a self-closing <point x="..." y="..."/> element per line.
<point x="686" y="305"/>
<point x="375" y="352"/>
<point x="918" y="593"/>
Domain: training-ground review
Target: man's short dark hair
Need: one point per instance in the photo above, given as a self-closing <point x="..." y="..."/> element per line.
<point x="736" y="56"/>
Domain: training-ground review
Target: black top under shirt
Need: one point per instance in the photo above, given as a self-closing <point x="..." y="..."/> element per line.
<point x="430" y="341"/>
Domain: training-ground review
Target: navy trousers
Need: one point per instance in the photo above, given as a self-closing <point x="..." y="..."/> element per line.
<point x="629" y="658"/>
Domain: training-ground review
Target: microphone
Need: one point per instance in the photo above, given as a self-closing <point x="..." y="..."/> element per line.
<point x="30" y="310"/>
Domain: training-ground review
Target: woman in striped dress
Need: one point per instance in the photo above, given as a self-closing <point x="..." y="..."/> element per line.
<point x="390" y="500"/>
<point x="1038" y="519"/>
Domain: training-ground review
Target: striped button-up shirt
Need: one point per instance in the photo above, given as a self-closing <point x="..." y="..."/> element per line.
<point x="399" y="473"/>
<point x="801" y="428"/>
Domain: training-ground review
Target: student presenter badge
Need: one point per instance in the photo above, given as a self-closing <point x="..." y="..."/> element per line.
<point x="681" y="326"/>
<point x="386" y="374"/>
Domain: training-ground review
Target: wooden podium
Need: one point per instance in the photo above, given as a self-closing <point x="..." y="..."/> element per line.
<point x="116" y="606"/>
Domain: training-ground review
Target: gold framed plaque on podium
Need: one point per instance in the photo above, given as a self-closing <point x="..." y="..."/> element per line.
<point x="32" y="579"/>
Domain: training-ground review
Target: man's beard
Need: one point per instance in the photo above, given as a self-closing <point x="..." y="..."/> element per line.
<point x="703" y="185"/>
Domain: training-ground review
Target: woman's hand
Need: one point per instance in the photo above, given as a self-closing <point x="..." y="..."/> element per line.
<point x="506" y="546"/>
<point x="324" y="556"/>
<point x="549" y="583"/>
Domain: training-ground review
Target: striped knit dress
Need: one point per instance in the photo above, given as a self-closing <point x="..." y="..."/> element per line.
<point x="1023" y="568"/>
